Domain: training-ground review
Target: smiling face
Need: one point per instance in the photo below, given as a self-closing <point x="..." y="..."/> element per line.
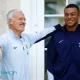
<point x="71" y="16"/>
<point x="17" y="22"/>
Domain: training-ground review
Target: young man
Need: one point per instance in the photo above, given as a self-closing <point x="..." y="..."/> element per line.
<point x="63" y="54"/>
<point x="15" y="47"/>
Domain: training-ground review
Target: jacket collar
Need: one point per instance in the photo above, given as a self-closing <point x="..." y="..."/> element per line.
<point x="13" y="34"/>
<point x="77" y="29"/>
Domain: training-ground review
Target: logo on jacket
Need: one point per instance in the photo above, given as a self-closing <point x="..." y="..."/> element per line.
<point x="61" y="41"/>
<point x="15" y="47"/>
<point x="79" y="44"/>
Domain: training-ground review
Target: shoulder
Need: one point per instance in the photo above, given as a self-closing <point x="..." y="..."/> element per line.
<point x="3" y="36"/>
<point x="3" y="39"/>
<point x="25" y="35"/>
<point x="79" y="24"/>
<point x="57" y="33"/>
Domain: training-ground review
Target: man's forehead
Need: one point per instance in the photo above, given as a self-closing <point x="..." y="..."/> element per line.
<point x="70" y="10"/>
<point x="18" y="12"/>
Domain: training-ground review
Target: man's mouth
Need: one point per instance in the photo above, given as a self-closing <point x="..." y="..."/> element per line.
<point x="22" y="25"/>
<point x="69" y="21"/>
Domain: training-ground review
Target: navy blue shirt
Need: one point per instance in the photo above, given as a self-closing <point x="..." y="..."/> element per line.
<point x="63" y="55"/>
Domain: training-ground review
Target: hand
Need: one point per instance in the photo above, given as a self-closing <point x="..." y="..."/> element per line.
<point x="63" y="24"/>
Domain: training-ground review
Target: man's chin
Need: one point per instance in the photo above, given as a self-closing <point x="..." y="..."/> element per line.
<point x="22" y="30"/>
<point x="70" y="25"/>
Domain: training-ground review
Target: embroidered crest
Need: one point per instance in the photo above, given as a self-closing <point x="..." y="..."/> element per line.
<point x="26" y="46"/>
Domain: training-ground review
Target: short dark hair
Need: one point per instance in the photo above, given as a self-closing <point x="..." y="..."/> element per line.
<point x="72" y="6"/>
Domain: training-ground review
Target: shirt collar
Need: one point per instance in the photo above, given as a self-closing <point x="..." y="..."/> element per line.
<point x="77" y="29"/>
<point x="13" y="34"/>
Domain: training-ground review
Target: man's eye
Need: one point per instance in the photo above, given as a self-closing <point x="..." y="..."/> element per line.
<point x="22" y="19"/>
<point x="66" y="14"/>
<point x="73" y="14"/>
<point x="19" y="19"/>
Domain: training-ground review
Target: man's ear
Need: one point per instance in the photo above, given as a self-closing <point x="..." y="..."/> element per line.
<point x="10" y="21"/>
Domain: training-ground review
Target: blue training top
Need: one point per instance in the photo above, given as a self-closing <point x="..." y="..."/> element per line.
<point x="14" y="64"/>
<point x="63" y="55"/>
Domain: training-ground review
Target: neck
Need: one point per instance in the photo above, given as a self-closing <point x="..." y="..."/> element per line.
<point x="16" y="32"/>
<point x="71" y="28"/>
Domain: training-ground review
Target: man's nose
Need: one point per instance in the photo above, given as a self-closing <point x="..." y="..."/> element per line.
<point x="69" y="16"/>
<point x="23" y="21"/>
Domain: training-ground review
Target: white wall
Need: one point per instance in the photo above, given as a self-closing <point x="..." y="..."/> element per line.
<point x="5" y="6"/>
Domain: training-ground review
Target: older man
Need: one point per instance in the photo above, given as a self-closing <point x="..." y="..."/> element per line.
<point x="15" y="47"/>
